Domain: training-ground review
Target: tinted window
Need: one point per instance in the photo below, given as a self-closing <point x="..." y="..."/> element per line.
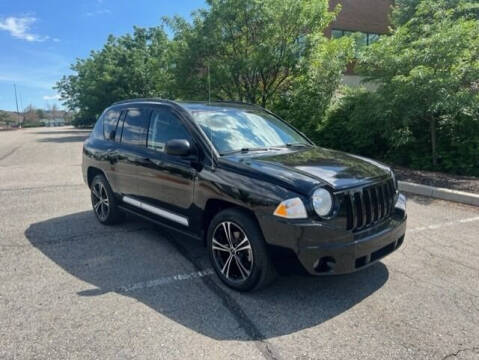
<point x="165" y="126"/>
<point x="135" y="127"/>
<point x="97" y="131"/>
<point x="110" y="119"/>
<point x="119" y="127"/>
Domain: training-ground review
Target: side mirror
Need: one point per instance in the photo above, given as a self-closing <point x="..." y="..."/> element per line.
<point x="178" y="147"/>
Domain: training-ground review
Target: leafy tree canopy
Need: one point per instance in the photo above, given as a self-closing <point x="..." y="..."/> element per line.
<point x="251" y="49"/>
<point x="247" y="50"/>
<point x="129" y="66"/>
<point x="428" y="70"/>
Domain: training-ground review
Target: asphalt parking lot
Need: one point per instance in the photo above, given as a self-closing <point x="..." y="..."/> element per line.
<point x="73" y="289"/>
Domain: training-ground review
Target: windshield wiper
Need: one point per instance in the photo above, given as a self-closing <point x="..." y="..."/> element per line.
<point x="298" y="144"/>
<point x="244" y="150"/>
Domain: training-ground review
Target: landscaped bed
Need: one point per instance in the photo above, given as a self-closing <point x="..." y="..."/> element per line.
<point x="455" y="182"/>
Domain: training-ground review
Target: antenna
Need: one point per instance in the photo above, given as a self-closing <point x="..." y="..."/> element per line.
<point x="16" y="101"/>
<point x="209" y="84"/>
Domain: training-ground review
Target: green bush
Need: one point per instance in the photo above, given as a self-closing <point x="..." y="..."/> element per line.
<point x="355" y="123"/>
<point x="82" y="122"/>
<point x="362" y="122"/>
<point x="427" y="72"/>
<point x="32" y="125"/>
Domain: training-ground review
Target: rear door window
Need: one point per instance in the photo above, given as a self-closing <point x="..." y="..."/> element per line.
<point x="135" y="127"/>
<point x="165" y="126"/>
<point x="110" y="120"/>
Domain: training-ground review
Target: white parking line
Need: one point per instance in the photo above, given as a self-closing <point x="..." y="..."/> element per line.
<point x="438" y="226"/>
<point x="165" y="280"/>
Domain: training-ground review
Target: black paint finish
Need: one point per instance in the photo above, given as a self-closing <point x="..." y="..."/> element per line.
<point x="196" y="185"/>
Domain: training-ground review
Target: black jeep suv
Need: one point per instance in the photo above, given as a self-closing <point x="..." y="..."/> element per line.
<point x="250" y="186"/>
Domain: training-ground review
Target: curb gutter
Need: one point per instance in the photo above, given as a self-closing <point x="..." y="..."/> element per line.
<point x="440" y="193"/>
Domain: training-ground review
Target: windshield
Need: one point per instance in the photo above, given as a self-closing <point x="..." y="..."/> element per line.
<point x="232" y="130"/>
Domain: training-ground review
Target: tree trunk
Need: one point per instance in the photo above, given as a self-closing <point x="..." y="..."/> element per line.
<point x="433" y="142"/>
<point x="263" y="100"/>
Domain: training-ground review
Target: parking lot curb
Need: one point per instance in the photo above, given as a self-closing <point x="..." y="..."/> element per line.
<point x="440" y="193"/>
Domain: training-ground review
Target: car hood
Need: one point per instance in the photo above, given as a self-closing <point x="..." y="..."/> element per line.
<point x="306" y="168"/>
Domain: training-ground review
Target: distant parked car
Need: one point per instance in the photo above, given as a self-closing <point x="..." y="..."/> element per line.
<point x="247" y="184"/>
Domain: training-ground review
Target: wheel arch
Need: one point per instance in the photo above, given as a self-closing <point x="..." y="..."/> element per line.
<point x="92" y="172"/>
<point x="215" y="206"/>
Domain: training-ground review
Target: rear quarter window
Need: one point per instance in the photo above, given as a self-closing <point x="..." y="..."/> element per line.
<point x="97" y="131"/>
<point x="110" y="120"/>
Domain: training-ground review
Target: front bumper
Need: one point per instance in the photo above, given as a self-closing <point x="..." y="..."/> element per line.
<point x="322" y="249"/>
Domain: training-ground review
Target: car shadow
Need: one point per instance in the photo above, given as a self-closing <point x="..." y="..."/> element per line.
<point x="64" y="139"/>
<point x="108" y="258"/>
<point x="64" y="132"/>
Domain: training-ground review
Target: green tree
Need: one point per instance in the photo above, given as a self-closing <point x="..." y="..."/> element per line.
<point x="310" y="93"/>
<point x="40" y="114"/>
<point x="4" y="117"/>
<point x="246" y="50"/>
<point x="428" y="72"/>
<point x="129" y="66"/>
<point x="405" y="10"/>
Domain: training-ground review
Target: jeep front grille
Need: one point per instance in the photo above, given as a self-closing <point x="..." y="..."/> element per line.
<point x="369" y="205"/>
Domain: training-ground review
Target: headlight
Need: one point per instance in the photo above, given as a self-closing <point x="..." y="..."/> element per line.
<point x="322" y="202"/>
<point x="291" y="209"/>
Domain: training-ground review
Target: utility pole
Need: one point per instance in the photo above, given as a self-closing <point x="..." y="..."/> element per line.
<point x="22" y="109"/>
<point x="16" y="102"/>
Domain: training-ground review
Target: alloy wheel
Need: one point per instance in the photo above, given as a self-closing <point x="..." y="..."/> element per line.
<point x="232" y="251"/>
<point x="101" y="203"/>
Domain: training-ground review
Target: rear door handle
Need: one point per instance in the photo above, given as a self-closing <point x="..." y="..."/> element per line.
<point x="112" y="156"/>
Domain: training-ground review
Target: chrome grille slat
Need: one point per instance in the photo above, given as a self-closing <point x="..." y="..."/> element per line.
<point x="367" y="205"/>
<point x="359" y="210"/>
<point x="353" y="212"/>
<point x="381" y="199"/>
<point x="363" y="208"/>
<point x="374" y="199"/>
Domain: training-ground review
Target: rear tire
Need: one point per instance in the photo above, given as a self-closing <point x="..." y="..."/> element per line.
<point x="238" y="251"/>
<point x="104" y="202"/>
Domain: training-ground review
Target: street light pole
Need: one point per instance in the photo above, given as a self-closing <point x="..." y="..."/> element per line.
<point x="16" y="102"/>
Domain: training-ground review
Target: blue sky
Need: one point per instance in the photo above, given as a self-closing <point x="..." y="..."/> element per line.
<point x="39" y="39"/>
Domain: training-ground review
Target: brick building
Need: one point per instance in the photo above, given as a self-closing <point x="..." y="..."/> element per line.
<point x="364" y="16"/>
<point x="368" y="18"/>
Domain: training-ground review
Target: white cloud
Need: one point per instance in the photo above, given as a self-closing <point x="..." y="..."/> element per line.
<point x="98" y="12"/>
<point x="19" y="27"/>
<point x="51" y="97"/>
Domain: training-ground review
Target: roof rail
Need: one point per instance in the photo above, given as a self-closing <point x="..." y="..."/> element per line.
<point x="175" y="103"/>
<point x="235" y="102"/>
<point x="143" y="100"/>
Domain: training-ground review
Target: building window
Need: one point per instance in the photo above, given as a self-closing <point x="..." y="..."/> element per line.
<point x="335" y="34"/>
<point x="362" y="38"/>
<point x="372" y="38"/>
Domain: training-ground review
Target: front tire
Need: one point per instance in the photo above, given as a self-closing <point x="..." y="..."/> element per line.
<point x="105" y="205"/>
<point x="238" y="251"/>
